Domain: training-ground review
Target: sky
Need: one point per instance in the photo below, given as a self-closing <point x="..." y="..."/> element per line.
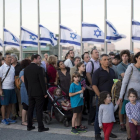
<point x="118" y="13"/>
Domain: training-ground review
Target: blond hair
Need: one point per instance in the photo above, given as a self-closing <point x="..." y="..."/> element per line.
<point x="52" y="60"/>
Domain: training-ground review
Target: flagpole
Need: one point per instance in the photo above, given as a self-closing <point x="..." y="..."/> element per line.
<point x="3" y="25"/>
<point x="38" y="7"/>
<point x="59" y="22"/>
<point x="82" y="47"/>
<point x="105" y="26"/>
<point x="132" y="16"/>
<point x="21" y="52"/>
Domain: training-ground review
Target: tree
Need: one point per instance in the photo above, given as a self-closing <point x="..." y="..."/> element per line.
<point x="13" y="50"/>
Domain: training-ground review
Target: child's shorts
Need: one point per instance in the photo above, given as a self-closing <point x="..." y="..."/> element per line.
<point x="78" y="109"/>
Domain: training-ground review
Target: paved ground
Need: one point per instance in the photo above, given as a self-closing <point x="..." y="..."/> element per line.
<point x="57" y="132"/>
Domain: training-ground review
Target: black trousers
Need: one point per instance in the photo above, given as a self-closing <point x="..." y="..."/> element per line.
<point x="37" y="102"/>
<point x="92" y="108"/>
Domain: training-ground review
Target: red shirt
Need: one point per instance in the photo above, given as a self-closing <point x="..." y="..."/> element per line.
<point x="51" y="73"/>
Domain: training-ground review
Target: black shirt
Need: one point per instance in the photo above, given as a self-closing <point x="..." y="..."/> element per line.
<point x="17" y="69"/>
<point x="103" y="80"/>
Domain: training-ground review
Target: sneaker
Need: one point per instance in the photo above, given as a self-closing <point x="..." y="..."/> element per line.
<point x="74" y="131"/>
<point x="81" y="130"/>
<point x="4" y="121"/>
<point x="11" y="121"/>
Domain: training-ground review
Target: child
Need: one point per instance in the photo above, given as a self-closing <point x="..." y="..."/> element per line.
<point x="133" y="113"/>
<point x="106" y="113"/>
<point x="58" y="95"/>
<point x="76" y="99"/>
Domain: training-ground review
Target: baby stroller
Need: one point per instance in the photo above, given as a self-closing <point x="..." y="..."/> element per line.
<point x="62" y="114"/>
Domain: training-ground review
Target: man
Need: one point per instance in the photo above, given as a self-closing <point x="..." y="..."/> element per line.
<point x="116" y="60"/>
<point x="86" y="58"/>
<point x="36" y="89"/>
<point x="91" y="67"/>
<point x="102" y="80"/>
<point x="125" y="56"/>
<point x="69" y="61"/>
<point x="45" y="63"/>
<point x="16" y="65"/>
<point x="112" y="55"/>
<point x="73" y="69"/>
<point x="7" y="90"/>
<point x="113" y="67"/>
<point x="121" y="68"/>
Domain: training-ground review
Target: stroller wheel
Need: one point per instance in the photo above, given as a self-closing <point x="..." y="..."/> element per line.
<point x="47" y="119"/>
<point x="66" y="123"/>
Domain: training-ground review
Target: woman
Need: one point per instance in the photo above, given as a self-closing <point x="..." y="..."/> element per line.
<point x="131" y="80"/>
<point x="64" y="77"/>
<point x="23" y="91"/>
<point x="51" y="71"/>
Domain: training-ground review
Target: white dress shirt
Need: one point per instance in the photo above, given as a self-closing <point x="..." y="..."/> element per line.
<point x="9" y="80"/>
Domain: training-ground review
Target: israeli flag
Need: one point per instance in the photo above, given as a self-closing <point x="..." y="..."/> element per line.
<point x="91" y="33"/>
<point x="47" y="37"/>
<point x="68" y="37"/>
<point x="1" y="43"/>
<point x="10" y="39"/>
<point x="28" y="38"/>
<point x="112" y="34"/>
<point x="135" y="31"/>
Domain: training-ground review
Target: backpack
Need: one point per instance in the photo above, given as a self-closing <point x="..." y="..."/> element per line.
<point x="116" y="88"/>
<point x="17" y="82"/>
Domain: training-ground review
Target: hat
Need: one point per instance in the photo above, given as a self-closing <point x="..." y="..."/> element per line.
<point x="112" y="53"/>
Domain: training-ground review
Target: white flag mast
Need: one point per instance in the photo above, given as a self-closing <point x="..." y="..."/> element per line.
<point x="38" y="7"/>
<point x="59" y="22"/>
<point x="105" y="26"/>
<point x="82" y="46"/>
<point x="3" y="25"/>
<point x="132" y="16"/>
<point x="21" y="52"/>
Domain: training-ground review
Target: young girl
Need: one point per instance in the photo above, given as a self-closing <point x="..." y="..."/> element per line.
<point x="76" y="99"/>
<point x="58" y="95"/>
<point x="106" y="113"/>
<point x="133" y="113"/>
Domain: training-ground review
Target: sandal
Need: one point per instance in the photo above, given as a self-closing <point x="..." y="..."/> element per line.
<point x="83" y="127"/>
<point x="24" y="123"/>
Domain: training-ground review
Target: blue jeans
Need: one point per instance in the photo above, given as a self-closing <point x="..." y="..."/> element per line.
<point x="96" y="123"/>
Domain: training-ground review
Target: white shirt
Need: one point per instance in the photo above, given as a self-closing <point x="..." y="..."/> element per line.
<point x="68" y="63"/>
<point x="9" y="80"/>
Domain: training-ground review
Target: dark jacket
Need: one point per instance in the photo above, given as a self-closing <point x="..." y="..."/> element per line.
<point x="34" y="80"/>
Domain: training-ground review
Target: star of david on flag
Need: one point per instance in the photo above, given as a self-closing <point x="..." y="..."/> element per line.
<point x="91" y="33"/>
<point x="47" y="37"/>
<point x="135" y="31"/>
<point x="10" y="39"/>
<point x="68" y="37"/>
<point x="28" y="38"/>
<point x="1" y="43"/>
<point x="112" y="33"/>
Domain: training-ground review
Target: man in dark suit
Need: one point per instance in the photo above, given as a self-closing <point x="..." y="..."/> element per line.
<point x="36" y="89"/>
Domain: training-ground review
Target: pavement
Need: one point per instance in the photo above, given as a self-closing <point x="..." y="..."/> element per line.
<point x="57" y="132"/>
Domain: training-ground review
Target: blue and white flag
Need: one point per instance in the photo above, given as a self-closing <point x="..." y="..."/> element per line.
<point x="1" y="43"/>
<point x="91" y="33"/>
<point x="47" y="37"/>
<point x="68" y="37"/>
<point x="135" y="31"/>
<point x="112" y="34"/>
<point x="10" y="39"/>
<point x="28" y="38"/>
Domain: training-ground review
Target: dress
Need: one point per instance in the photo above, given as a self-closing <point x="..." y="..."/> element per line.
<point x="23" y="91"/>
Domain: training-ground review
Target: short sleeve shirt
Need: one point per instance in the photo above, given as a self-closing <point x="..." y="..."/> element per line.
<point x="89" y="66"/>
<point x="103" y="80"/>
<point x="9" y="80"/>
<point x="75" y="100"/>
<point x="121" y="68"/>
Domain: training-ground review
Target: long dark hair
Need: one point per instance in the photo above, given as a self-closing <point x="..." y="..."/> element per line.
<point x="136" y="56"/>
<point x="103" y="96"/>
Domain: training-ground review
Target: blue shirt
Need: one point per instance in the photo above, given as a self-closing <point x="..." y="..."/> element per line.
<point x="75" y="100"/>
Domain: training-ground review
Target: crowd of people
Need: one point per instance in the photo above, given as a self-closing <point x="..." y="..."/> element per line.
<point x="87" y="81"/>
